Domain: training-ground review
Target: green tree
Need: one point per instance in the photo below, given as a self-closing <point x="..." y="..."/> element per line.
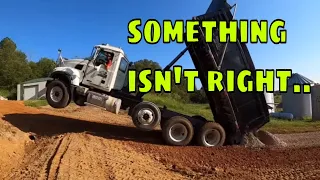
<point x="35" y="70"/>
<point x="199" y="96"/>
<point x="45" y="66"/>
<point x="145" y="64"/>
<point x="140" y="65"/>
<point x="14" y="66"/>
<point x="178" y="91"/>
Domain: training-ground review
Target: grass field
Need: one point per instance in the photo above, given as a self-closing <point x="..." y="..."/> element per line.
<point x="185" y="108"/>
<point x="35" y="103"/>
<point x="274" y="126"/>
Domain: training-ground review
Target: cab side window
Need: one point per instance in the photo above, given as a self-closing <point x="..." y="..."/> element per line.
<point x="104" y="57"/>
<point x="123" y="65"/>
<point x="101" y="58"/>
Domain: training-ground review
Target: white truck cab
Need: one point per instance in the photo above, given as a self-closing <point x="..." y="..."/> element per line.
<point x="89" y="80"/>
<point x="97" y="75"/>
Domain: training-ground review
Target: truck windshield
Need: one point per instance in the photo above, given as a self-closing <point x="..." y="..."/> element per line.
<point x="92" y="53"/>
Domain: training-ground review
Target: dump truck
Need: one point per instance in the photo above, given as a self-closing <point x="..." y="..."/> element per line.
<point x="88" y="81"/>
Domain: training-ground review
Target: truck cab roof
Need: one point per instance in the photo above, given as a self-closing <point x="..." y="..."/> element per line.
<point x="113" y="48"/>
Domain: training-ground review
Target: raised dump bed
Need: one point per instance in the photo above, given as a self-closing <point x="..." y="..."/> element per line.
<point x="237" y="112"/>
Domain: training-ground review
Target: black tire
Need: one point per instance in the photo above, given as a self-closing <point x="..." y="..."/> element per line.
<point x="142" y="112"/>
<point x="217" y="135"/>
<point x="184" y="129"/>
<point x="61" y="90"/>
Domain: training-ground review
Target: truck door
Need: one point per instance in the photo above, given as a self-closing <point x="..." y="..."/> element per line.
<point x="121" y="74"/>
<point x="96" y="74"/>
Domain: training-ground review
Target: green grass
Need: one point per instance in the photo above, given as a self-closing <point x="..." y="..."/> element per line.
<point x="35" y="103"/>
<point x="295" y="126"/>
<point x="175" y="105"/>
<point x="4" y="93"/>
<point x="277" y="98"/>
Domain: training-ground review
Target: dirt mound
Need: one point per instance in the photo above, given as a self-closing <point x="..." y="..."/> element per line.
<point x="250" y="140"/>
<point x="13" y="140"/>
<point x="269" y="139"/>
<point x="261" y="139"/>
<point x="83" y="156"/>
<point x="90" y="143"/>
<point x="13" y="143"/>
<point x="2" y="98"/>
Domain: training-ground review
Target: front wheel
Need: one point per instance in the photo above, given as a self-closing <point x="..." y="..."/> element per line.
<point x="211" y="134"/>
<point x="177" y="131"/>
<point x="57" y="94"/>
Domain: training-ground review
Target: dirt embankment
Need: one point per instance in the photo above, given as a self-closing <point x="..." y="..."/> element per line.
<point x="90" y="143"/>
<point x="12" y="140"/>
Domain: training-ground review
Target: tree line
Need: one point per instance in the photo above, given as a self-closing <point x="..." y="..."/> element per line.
<point x="15" y="68"/>
<point x="179" y="92"/>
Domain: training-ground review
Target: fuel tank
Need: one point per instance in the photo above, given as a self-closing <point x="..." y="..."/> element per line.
<point x="110" y="103"/>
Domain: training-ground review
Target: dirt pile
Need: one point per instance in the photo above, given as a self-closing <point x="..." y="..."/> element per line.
<point x="90" y="143"/>
<point x="250" y="140"/>
<point x="269" y="139"/>
<point x="263" y="138"/>
<point x="2" y="98"/>
<point x="13" y="143"/>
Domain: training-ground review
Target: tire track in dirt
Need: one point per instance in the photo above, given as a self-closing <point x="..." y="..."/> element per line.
<point x="37" y="160"/>
<point x="84" y="156"/>
<point x="54" y="162"/>
<point x="65" y="150"/>
<point x="64" y="157"/>
<point x="84" y="159"/>
<point x="128" y="164"/>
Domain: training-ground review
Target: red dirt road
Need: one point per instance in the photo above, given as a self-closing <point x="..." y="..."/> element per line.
<point x="90" y="143"/>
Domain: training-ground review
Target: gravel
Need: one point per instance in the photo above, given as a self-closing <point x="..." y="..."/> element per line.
<point x="296" y="140"/>
<point x="252" y="141"/>
<point x="270" y="139"/>
<point x="309" y="139"/>
<point x="263" y="138"/>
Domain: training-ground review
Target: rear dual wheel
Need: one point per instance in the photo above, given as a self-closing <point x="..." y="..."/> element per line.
<point x="177" y="131"/>
<point x="146" y="116"/>
<point x="211" y="134"/>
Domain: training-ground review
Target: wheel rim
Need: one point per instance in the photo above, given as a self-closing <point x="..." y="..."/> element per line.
<point x="56" y="94"/>
<point x="178" y="132"/>
<point x="145" y="116"/>
<point x="211" y="137"/>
